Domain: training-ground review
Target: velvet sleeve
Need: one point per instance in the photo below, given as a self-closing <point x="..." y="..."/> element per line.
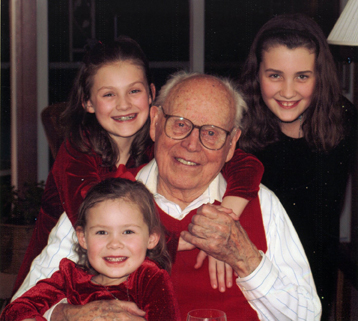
<point x="36" y="301"/>
<point x="159" y="301"/>
<point x="75" y="173"/>
<point x="243" y="175"/>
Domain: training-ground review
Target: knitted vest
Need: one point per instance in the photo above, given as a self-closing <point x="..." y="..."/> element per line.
<point x="193" y="287"/>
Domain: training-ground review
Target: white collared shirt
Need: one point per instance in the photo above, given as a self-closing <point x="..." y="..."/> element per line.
<point x="148" y="175"/>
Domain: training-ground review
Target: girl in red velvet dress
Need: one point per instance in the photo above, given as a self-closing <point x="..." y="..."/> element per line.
<point x="106" y="124"/>
<point x="123" y="256"/>
<point x="106" y="127"/>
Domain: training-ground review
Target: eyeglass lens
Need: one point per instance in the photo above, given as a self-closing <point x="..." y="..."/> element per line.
<point x="211" y="137"/>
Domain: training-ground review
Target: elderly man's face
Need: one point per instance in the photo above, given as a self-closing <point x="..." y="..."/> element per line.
<point x="186" y="166"/>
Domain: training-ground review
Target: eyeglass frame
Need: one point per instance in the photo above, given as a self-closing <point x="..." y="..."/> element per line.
<point x="167" y="116"/>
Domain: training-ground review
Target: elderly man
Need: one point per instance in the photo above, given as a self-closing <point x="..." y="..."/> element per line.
<point x="195" y="129"/>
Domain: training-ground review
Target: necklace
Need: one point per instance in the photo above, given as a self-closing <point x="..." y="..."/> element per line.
<point x="104" y="287"/>
<point x="292" y="121"/>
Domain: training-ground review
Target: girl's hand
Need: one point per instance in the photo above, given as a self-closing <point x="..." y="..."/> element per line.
<point x="218" y="271"/>
<point x="184" y="245"/>
<point x="236" y="204"/>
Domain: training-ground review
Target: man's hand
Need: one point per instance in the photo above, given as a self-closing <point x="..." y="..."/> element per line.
<point x="215" y="232"/>
<point x="106" y="310"/>
<point x="218" y="270"/>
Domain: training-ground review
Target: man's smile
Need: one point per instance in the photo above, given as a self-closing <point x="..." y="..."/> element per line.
<point x="185" y="162"/>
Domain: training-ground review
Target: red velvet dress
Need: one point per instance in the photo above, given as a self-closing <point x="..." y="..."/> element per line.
<point x="149" y="287"/>
<point x="74" y="173"/>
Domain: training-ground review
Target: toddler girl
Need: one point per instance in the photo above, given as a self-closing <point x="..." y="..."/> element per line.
<point x="123" y="256"/>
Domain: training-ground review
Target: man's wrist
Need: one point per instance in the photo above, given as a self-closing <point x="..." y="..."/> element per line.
<point x="245" y="268"/>
<point x="259" y="283"/>
<point x="253" y="269"/>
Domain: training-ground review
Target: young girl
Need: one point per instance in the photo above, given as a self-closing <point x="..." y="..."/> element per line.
<point x="304" y="132"/>
<point x="122" y="253"/>
<point x="107" y="124"/>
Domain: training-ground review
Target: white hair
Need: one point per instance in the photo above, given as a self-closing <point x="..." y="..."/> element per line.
<point x="178" y="77"/>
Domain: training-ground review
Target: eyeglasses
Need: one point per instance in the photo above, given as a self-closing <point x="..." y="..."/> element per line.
<point x="210" y="136"/>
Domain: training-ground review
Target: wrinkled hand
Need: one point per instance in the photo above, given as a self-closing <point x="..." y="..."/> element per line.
<point x="184" y="245"/>
<point x="215" y="232"/>
<point x="106" y="310"/>
<point x="219" y="271"/>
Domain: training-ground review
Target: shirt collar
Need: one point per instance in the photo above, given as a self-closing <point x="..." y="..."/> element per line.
<point x="148" y="175"/>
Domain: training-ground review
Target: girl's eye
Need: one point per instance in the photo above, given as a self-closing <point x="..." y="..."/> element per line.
<point x="108" y="95"/>
<point x="134" y="91"/>
<point x="274" y="76"/>
<point x="101" y="232"/>
<point x="302" y="77"/>
<point x="128" y="232"/>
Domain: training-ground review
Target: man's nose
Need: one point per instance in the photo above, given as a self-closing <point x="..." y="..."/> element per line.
<point x="192" y="142"/>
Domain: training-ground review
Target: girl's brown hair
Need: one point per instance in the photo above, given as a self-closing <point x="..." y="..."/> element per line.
<point x="82" y="128"/>
<point x="133" y="192"/>
<point x="323" y="124"/>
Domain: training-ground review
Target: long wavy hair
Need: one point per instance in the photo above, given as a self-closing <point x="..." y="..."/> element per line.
<point x="82" y="128"/>
<point x="135" y="193"/>
<point x="323" y="126"/>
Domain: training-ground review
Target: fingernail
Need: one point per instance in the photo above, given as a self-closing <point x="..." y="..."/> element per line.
<point x="222" y="289"/>
<point x="214" y="286"/>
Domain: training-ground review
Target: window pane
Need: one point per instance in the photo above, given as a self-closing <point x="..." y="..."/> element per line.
<point x="161" y="30"/>
<point x="230" y="27"/>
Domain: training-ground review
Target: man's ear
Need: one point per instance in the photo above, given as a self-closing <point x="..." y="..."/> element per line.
<point x="88" y="107"/>
<point x="153" y="93"/>
<point x="153" y="240"/>
<point x="154" y="110"/>
<point x="234" y="139"/>
<point x="81" y="237"/>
